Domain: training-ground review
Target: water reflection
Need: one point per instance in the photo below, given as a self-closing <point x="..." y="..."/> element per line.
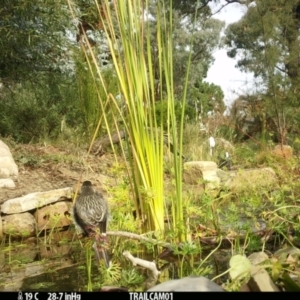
<point x="37" y="266"/>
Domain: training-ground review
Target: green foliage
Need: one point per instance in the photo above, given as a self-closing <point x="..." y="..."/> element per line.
<point x="206" y="97"/>
<point x="131" y="277"/>
<point x="265" y="41"/>
<point x="161" y="112"/>
<point x="188" y="7"/>
<point x="33" y="38"/>
<point x="266" y="36"/>
<point x="289" y="284"/>
<point x="112" y="275"/>
<point x="34" y="110"/>
<point x="92" y="91"/>
<point x="205" y="39"/>
<point x="52" y="105"/>
<point x="224" y="217"/>
<point x="194" y="22"/>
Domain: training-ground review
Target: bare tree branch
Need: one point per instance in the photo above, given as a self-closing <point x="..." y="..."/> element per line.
<point x="138" y="237"/>
<point x="150" y="266"/>
<point x="242" y="2"/>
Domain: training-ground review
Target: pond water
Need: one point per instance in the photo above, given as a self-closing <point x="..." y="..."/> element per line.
<point x="67" y="280"/>
<point x="57" y="262"/>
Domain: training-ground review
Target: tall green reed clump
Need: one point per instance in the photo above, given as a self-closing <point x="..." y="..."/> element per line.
<point x="127" y="27"/>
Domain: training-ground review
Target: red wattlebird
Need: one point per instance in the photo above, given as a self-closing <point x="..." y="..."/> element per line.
<point x="91" y="214"/>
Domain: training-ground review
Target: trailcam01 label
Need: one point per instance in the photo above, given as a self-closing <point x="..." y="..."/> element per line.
<point x="151" y="296"/>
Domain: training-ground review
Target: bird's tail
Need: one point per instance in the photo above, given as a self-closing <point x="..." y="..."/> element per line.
<point x="100" y="248"/>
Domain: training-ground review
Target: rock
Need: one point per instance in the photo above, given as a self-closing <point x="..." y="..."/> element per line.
<point x="8" y="166"/>
<point x="252" y="179"/>
<point x="192" y="174"/>
<point x="35" y="200"/>
<point x="7" y="182"/>
<point x="187" y="284"/>
<point x="257" y="257"/>
<point x="283" y="151"/>
<point x="197" y="171"/>
<point x="225" y="175"/>
<point x="24" y="253"/>
<point x="244" y="288"/>
<point x="54" y="216"/>
<point x="19" y="225"/>
<point x="50" y="251"/>
<point x="260" y="281"/>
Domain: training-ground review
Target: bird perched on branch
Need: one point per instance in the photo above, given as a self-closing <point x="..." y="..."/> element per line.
<point x="91" y="214"/>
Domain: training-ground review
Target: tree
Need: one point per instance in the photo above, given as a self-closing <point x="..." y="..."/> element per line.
<point x="267" y="36"/>
<point x="266" y="42"/>
<point x="192" y="27"/>
<point x="36" y="69"/>
<point x="204" y="31"/>
<point x="33" y="38"/>
<point x="206" y="97"/>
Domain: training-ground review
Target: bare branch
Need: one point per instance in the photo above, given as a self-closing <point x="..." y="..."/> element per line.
<point x="150" y="266"/>
<point x="242" y="2"/>
<point x="280" y="69"/>
<point x="138" y="237"/>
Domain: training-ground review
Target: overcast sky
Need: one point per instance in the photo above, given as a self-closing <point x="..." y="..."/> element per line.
<point x="223" y="71"/>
